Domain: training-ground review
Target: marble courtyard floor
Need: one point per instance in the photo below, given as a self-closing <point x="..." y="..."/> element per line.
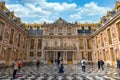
<point x="50" y="72"/>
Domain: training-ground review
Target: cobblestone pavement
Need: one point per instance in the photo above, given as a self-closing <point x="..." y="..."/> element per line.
<point x="50" y="72"/>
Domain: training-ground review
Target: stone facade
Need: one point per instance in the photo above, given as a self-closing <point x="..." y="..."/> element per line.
<point x="69" y="41"/>
<point x="106" y="40"/>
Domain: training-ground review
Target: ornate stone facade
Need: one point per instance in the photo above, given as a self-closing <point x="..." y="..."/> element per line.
<point x="69" y="41"/>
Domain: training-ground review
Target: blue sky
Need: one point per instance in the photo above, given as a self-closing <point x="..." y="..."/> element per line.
<point x="39" y="11"/>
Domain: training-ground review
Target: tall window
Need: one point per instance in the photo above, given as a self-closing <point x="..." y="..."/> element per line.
<point x="1" y="30"/>
<point x="104" y="56"/>
<point x="89" y="56"/>
<point x="32" y="44"/>
<point x="31" y="54"/>
<point x="24" y="43"/>
<point x="96" y="42"/>
<point x="55" y="44"/>
<point x="102" y="43"/>
<point x="109" y="36"/>
<point x="19" y="40"/>
<point x="51" y="31"/>
<point x="88" y="44"/>
<point x="60" y="31"/>
<point x="46" y="44"/>
<point x="39" y="43"/>
<point x="118" y="29"/>
<point x="68" y="31"/>
<point x="38" y="54"/>
<point x="81" y="44"/>
<point x="11" y="36"/>
<point x="82" y="55"/>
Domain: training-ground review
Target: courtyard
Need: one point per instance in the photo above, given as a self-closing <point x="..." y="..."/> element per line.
<point x="71" y="72"/>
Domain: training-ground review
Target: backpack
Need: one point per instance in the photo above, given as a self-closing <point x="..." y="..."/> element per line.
<point x="84" y="63"/>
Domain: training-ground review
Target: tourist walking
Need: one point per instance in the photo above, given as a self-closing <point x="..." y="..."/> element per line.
<point x="15" y="69"/>
<point x="118" y="63"/>
<point x="20" y="64"/>
<point x="98" y="64"/>
<point x="84" y="62"/>
<point x="38" y="64"/>
<point x="102" y="64"/>
<point x="58" y="61"/>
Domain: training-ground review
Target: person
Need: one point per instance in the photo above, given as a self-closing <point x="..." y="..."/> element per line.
<point x="20" y="64"/>
<point x="58" y="62"/>
<point x="98" y="64"/>
<point x="84" y="62"/>
<point x="102" y="64"/>
<point x="118" y="64"/>
<point x="61" y="69"/>
<point x="38" y="63"/>
<point x="15" y="69"/>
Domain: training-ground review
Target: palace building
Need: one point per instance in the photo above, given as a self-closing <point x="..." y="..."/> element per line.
<point x="69" y="41"/>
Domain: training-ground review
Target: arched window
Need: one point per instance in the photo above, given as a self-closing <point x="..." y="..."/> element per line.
<point x="51" y="31"/>
<point x="1" y="28"/>
<point x="69" y="31"/>
<point x="55" y="43"/>
<point x="60" y="31"/>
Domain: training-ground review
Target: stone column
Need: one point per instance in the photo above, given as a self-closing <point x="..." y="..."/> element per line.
<point x="73" y="58"/>
<point x="65" y="57"/>
<point x="54" y="56"/>
<point x="45" y="57"/>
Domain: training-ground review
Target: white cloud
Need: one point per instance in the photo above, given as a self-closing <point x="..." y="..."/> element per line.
<point x="43" y="20"/>
<point x="76" y="16"/>
<point x="33" y="1"/>
<point x="50" y="11"/>
<point x="40" y="9"/>
<point x="90" y="9"/>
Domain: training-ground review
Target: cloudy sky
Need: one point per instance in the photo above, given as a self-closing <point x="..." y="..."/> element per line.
<point x="39" y="11"/>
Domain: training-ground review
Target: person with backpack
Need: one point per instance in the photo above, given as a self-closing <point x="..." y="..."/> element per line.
<point x="102" y="64"/>
<point x="61" y="69"/>
<point x="20" y="64"/>
<point x="99" y="64"/>
<point x="83" y="62"/>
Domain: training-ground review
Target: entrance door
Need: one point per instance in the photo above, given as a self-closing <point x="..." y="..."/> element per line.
<point x="69" y="57"/>
<point x="60" y="56"/>
<point x="50" y="57"/>
<point x="112" y="56"/>
<point x="8" y="56"/>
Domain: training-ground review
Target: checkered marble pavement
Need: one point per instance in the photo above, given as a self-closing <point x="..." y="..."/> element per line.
<point x="72" y="72"/>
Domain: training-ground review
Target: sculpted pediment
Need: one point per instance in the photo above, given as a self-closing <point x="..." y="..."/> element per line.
<point x="60" y="21"/>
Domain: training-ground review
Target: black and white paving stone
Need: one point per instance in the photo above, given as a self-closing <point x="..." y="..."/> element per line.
<point x="50" y="72"/>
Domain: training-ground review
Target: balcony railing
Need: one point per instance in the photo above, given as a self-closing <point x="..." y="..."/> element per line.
<point x="60" y="48"/>
<point x="60" y="33"/>
<point x="51" y="33"/>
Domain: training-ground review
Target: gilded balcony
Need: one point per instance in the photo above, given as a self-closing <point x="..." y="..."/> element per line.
<point x="60" y="48"/>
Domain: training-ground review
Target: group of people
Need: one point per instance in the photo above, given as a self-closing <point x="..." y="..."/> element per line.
<point x="17" y="66"/>
<point x="100" y="64"/>
<point x="57" y="61"/>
